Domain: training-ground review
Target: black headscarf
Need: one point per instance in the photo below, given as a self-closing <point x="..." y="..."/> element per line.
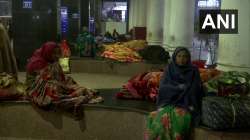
<point x="188" y="75"/>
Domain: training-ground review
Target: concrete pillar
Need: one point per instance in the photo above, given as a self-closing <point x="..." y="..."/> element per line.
<point x="131" y="14"/>
<point x="155" y="10"/>
<point x="178" y="23"/>
<point x="166" y="23"/>
<point x="141" y="9"/>
<point x="234" y="49"/>
<point x="137" y="13"/>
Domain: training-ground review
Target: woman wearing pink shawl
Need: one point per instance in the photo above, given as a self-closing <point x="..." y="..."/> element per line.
<point x="47" y="84"/>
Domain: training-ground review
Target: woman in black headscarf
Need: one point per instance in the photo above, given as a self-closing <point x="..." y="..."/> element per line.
<point x="179" y="100"/>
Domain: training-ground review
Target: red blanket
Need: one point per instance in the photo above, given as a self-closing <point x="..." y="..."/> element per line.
<point x="143" y="86"/>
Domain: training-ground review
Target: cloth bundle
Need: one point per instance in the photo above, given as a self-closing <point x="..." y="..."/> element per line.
<point x="120" y="53"/>
<point x="154" y="54"/>
<point x="143" y="86"/>
<point x="221" y="113"/>
<point x="229" y="83"/>
<point x="10" y="89"/>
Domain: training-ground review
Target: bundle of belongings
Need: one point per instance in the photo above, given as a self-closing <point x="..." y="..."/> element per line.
<point x="10" y="89"/>
<point x="199" y="63"/>
<point x="229" y="108"/>
<point x="154" y="54"/>
<point x="221" y="113"/>
<point x="135" y="51"/>
<point x="229" y="83"/>
<point x="145" y="86"/>
<point x="208" y="74"/>
<point x="135" y="45"/>
<point x="124" y="52"/>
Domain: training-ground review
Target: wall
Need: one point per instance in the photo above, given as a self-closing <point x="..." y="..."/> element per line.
<point x="32" y="27"/>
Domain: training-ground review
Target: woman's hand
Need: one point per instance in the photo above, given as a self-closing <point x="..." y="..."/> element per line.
<point x="182" y="86"/>
<point x="191" y="108"/>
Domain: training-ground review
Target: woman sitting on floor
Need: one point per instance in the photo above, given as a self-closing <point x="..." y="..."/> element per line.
<point x="47" y="83"/>
<point x="179" y="100"/>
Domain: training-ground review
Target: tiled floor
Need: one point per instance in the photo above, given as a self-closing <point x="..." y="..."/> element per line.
<point x="92" y="80"/>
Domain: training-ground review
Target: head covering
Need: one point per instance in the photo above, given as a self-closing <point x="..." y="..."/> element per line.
<point x="179" y="73"/>
<point x="181" y="85"/>
<point x="179" y="49"/>
<point x="41" y="57"/>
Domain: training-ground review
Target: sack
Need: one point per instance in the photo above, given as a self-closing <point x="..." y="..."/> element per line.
<point x="155" y="54"/>
<point x="222" y="113"/>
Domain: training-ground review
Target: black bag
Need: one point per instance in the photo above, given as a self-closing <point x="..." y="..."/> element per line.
<point x="221" y="113"/>
<point x="155" y="54"/>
